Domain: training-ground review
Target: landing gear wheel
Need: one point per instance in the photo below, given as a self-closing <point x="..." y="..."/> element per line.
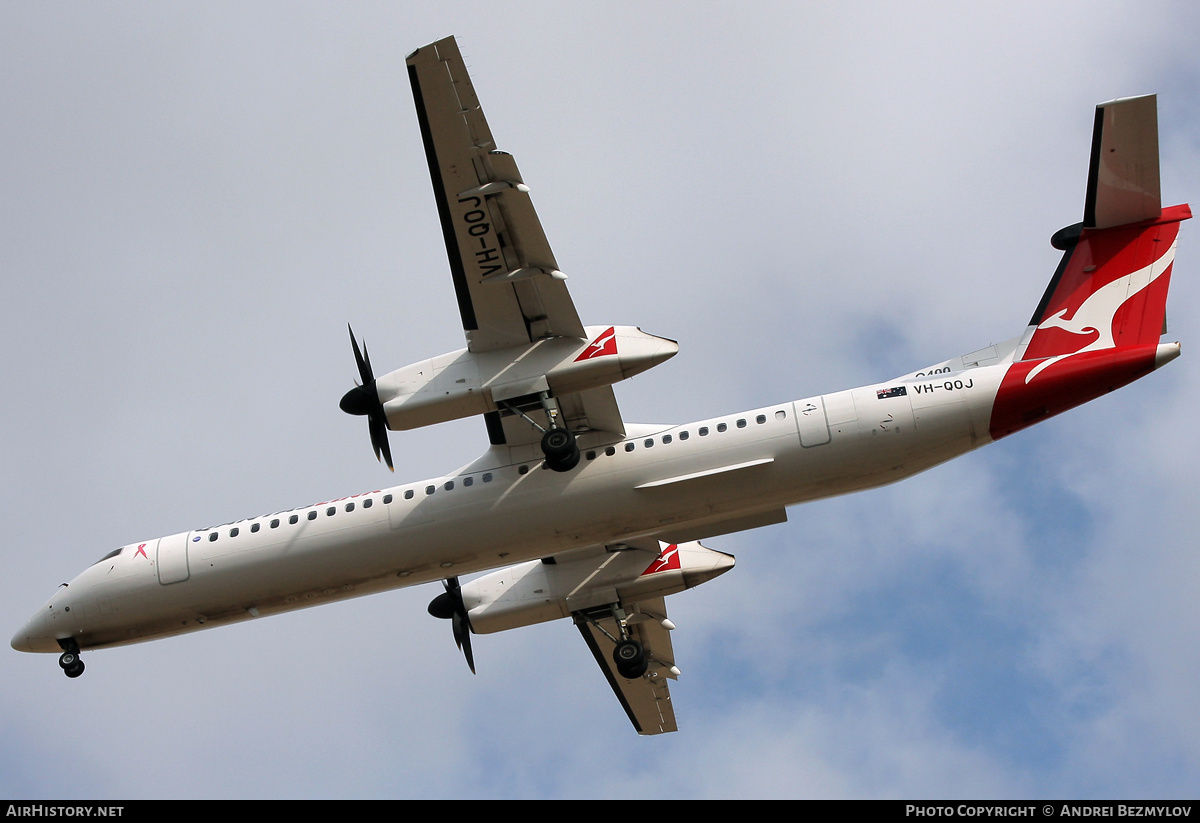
<point x="630" y="658"/>
<point x="71" y="665"/>
<point x="558" y="445"/>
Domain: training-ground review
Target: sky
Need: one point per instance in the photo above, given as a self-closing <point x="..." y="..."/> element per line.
<point x="196" y="198"/>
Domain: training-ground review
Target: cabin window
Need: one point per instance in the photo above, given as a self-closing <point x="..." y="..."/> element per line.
<point x="294" y="519"/>
<point x="408" y="494"/>
<point x="387" y="498"/>
<point x="449" y="485"/>
<point x="721" y="427"/>
<point x="666" y="438"/>
<point x="629" y="447"/>
<point x="368" y="503"/>
<point x="649" y="442"/>
<point x="349" y="507"/>
<point x="590" y="455"/>
<point x="312" y="515"/>
<point x="742" y="423"/>
<point x="429" y="489"/>
<point x="704" y="431"/>
<point x="683" y="435"/>
<point x="275" y="523"/>
<point x="233" y="532"/>
<point x="762" y="418"/>
<point x="212" y="536"/>
<point x="255" y="528"/>
<point x="779" y="415"/>
<point x="468" y="481"/>
<point x="487" y="477"/>
<point x="523" y="470"/>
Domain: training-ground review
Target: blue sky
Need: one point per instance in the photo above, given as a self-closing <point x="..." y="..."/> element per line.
<point x="197" y="198"/>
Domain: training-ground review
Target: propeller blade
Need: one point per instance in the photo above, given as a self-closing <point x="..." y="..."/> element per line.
<point x="364" y="400"/>
<point x="462" y="636"/>
<point x="449" y="606"/>
<point x="379" y="438"/>
<point x="363" y="360"/>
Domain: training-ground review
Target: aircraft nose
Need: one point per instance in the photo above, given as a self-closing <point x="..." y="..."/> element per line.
<point x="32" y="636"/>
<point x="20" y="641"/>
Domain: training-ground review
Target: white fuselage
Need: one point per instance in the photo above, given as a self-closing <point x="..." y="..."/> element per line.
<point x="681" y="483"/>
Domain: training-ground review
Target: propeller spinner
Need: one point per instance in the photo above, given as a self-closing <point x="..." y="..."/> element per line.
<point x="364" y="400"/>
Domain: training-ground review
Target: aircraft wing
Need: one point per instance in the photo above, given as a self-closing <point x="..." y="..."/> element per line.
<point x="647" y="699"/>
<point x="510" y="291"/>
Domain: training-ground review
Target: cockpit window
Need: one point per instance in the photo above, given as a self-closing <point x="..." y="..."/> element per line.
<point x="108" y="556"/>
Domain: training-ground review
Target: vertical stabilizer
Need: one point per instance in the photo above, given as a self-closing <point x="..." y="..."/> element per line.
<point x="1098" y="324"/>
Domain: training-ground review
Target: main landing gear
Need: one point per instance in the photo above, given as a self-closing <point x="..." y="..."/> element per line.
<point x="558" y="442"/>
<point x="69" y="660"/>
<point x="560" y="449"/>
<point x="628" y="654"/>
<point x="630" y="658"/>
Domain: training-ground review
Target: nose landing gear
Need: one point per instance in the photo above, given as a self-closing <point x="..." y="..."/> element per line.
<point x="69" y="660"/>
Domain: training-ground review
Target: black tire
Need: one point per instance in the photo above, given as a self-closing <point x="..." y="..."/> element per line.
<point x="67" y="659"/>
<point x="564" y="464"/>
<point x="558" y="444"/>
<point x="628" y="652"/>
<point x="633" y="671"/>
<point x="75" y="669"/>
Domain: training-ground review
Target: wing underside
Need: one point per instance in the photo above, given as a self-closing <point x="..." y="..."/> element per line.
<point x="646" y="699"/>
<point x="509" y="289"/>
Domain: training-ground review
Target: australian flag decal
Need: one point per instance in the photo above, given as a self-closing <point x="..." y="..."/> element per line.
<point x="895" y="391"/>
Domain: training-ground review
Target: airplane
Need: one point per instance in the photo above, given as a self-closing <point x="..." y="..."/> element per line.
<point x="573" y="513"/>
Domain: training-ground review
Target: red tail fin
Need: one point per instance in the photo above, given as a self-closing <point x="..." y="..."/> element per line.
<point x="1099" y="322"/>
<point x="1110" y="289"/>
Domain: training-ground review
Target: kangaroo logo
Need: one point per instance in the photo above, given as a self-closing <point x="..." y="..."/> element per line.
<point x="1096" y="314"/>
<point x="605" y="343"/>
<point x="668" y="560"/>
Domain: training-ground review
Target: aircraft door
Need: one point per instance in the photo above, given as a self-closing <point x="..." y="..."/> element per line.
<point x="172" y="558"/>
<point x="811" y="420"/>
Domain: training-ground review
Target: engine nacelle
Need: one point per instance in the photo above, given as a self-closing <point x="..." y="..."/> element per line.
<point x="465" y="383"/>
<point x="536" y="592"/>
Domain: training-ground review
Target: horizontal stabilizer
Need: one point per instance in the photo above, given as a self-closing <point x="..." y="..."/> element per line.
<point x="1123" y="184"/>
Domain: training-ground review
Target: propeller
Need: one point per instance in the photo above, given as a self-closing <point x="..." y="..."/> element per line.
<point x="363" y="399"/>
<point x="449" y="606"/>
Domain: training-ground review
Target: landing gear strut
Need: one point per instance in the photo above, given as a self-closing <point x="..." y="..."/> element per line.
<point x="69" y="660"/>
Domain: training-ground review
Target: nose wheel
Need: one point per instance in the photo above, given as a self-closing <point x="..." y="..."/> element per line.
<point x="69" y="660"/>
